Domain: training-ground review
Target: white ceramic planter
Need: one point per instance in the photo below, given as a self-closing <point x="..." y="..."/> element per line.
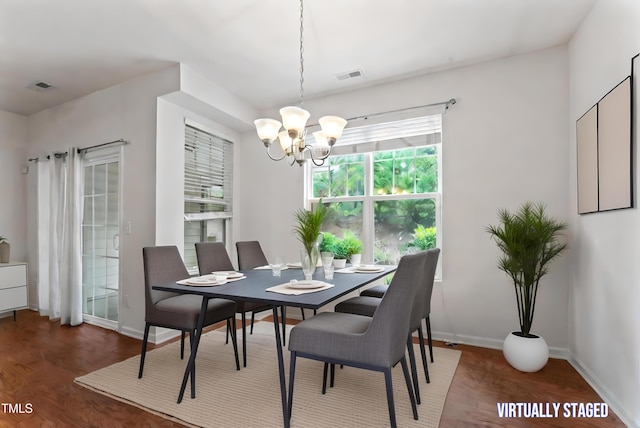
<point x="527" y="354"/>
<point x="355" y="259"/>
<point x="339" y="263"/>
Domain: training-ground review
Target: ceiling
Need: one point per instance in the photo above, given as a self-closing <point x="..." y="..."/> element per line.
<point x="251" y="47"/>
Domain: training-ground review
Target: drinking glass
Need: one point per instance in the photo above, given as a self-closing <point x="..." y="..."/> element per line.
<point x="276" y="266"/>
<point x="328" y="271"/>
<point x="327" y="258"/>
<point x="308" y="265"/>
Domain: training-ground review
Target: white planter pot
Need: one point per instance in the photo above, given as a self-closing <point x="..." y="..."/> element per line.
<point x="355" y="259"/>
<point x="339" y="263"/>
<point x="527" y="354"/>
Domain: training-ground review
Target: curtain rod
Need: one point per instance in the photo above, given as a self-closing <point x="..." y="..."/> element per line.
<point x="447" y="104"/>
<point x="57" y="154"/>
<point x="118" y="141"/>
<point x="84" y="149"/>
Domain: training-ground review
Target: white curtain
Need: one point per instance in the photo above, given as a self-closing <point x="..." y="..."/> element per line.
<point x="60" y="208"/>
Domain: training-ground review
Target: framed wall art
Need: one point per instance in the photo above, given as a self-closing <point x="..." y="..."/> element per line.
<point x="604" y="152"/>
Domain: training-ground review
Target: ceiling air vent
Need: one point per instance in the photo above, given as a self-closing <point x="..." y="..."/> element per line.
<point x="39" y="86"/>
<point x="349" y="75"/>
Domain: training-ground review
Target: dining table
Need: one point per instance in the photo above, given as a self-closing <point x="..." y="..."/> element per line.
<point x="253" y="287"/>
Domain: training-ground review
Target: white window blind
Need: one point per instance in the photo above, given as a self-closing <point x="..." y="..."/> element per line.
<point x="208" y="172"/>
<point x="397" y="134"/>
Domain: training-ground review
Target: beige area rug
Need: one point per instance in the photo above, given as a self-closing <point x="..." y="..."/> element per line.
<point x="251" y="397"/>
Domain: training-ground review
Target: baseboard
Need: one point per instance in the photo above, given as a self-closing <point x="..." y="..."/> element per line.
<point x="157" y="335"/>
<point x="602" y="391"/>
<point x="483" y="342"/>
<point x="132" y="332"/>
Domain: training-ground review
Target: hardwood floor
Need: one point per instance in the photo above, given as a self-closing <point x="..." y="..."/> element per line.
<point x="39" y="359"/>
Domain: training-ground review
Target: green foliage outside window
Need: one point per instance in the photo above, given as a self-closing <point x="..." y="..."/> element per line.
<point x="341" y="176"/>
<point x="424" y="238"/>
<point x="401" y="224"/>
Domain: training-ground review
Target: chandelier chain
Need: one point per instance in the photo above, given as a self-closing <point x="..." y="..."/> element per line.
<point x="301" y="54"/>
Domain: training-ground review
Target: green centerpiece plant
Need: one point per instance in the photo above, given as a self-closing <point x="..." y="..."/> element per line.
<point x="351" y="243"/>
<point x="307" y="229"/>
<point x="331" y="243"/>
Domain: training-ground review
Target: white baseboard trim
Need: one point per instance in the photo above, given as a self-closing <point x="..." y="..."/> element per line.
<point x="483" y="342"/>
<point x="157" y="335"/>
<point x="132" y="332"/>
<point x="602" y="391"/>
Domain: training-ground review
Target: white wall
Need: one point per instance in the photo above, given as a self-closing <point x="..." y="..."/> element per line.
<point x="13" y="156"/>
<point x="605" y="276"/>
<point x="505" y="142"/>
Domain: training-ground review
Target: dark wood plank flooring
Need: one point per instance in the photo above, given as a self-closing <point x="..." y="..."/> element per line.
<point x="39" y="359"/>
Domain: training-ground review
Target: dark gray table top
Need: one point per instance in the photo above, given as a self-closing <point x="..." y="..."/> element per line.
<point x="253" y="287"/>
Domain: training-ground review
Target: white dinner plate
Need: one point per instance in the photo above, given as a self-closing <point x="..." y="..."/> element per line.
<point x="368" y="269"/>
<point x="297" y="265"/>
<point x="229" y="273"/>
<point x="306" y="284"/>
<point x="204" y="282"/>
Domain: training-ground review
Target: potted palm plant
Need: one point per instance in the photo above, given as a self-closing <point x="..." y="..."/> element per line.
<point x="528" y="240"/>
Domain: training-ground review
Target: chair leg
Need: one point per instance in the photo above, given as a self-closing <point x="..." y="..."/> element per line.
<point x="244" y="339"/>
<point x="424" y="356"/>
<point x="324" y="378"/>
<point x="405" y="371"/>
<point x="234" y="339"/>
<point x="192" y="334"/>
<point x="429" y="337"/>
<point x="302" y="311"/>
<point x="144" y="349"/>
<point x="292" y="372"/>
<point x="333" y="375"/>
<point x="414" y="370"/>
<point x="228" y="330"/>
<point x="182" y="345"/>
<point x="389" y="385"/>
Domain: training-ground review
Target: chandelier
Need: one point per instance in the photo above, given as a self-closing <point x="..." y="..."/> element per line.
<point x="294" y="121"/>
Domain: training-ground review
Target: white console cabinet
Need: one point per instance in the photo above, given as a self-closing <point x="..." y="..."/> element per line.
<point x="13" y="287"/>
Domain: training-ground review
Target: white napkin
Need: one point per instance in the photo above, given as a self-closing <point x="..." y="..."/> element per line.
<point x="285" y="289"/>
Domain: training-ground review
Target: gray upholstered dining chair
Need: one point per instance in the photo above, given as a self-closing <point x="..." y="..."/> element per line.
<point x="379" y="290"/>
<point x="213" y="256"/>
<point x="367" y="306"/>
<point x="372" y="343"/>
<point x="163" y="265"/>
<point x="250" y="255"/>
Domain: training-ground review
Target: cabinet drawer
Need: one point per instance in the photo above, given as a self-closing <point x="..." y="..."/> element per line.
<point x="13" y="298"/>
<point x="13" y="276"/>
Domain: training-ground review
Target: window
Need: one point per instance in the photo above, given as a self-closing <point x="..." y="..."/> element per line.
<point x="388" y="190"/>
<point x="208" y="174"/>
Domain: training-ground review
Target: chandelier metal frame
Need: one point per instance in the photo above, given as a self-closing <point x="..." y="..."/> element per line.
<point x="293" y="138"/>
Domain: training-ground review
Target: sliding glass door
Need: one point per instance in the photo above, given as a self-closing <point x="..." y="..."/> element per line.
<point x="100" y="248"/>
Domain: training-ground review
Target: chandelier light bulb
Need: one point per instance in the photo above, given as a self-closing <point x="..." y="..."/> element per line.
<point x="332" y="127"/>
<point x="294" y="119"/>
<point x="285" y="142"/>
<point x="267" y="129"/>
